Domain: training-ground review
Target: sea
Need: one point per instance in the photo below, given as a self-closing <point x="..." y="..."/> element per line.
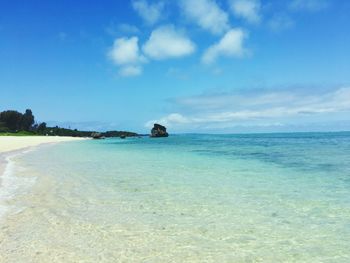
<point x="282" y="197"/>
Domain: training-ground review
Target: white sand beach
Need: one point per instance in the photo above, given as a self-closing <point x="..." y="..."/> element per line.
<point x="13" y="143"/>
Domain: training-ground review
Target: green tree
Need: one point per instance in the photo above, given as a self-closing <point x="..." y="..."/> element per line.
<point x="11" y="119"/>
<point x="27" y="120"/>
<point x="42" y="127"/>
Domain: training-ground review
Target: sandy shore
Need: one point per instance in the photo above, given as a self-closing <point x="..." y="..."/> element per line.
<point x="14" y="143"/>
<point x="9" y="145"/>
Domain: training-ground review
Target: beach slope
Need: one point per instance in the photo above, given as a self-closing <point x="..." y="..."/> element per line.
<point x="13" y="143"/>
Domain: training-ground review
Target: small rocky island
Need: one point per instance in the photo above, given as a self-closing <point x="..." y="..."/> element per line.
<point x="158" y="131"/>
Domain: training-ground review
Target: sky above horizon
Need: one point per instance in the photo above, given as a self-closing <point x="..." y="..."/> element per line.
<point x="211" y="66"/>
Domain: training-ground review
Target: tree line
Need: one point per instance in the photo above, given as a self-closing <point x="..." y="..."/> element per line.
<point x="12" y="121"/>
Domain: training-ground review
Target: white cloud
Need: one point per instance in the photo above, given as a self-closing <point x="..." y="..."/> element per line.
<point x="150" y="13"/>
<point x="280" y="22"/>
<point x="259" y="108"/>
<point x="130" y="71"/>
<point x="207" y="14"/>
<point x="126" y="51"/>
<point x="246" y="9"/>
<point x="308" y="5"/>
<point x="231" y="45"/>
<point x="126" y="54"/>
<point x="167" y="42"/>
<point x="169" y="120"/>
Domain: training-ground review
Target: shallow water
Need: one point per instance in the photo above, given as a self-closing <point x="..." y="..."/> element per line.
<point x="186" y="198"/>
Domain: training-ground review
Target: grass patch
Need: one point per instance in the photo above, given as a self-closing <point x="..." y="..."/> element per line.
<point x="20" y="133"/>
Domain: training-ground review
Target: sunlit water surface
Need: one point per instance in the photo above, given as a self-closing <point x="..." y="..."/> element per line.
<point x="186" y="198"/>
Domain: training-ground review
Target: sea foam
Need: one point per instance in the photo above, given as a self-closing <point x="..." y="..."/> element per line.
<point x="10" y="184"/>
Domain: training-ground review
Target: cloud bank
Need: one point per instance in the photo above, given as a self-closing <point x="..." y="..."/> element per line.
<point x="256" y="108"/>
<point x="167" y="41"/>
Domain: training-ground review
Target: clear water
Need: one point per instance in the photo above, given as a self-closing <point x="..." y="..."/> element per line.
<point x="186" y="198"/>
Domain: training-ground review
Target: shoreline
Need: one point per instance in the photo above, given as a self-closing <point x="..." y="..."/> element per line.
<point x="12" y="146"/>
<point x="254" y="200"/>
<point x="13" y="143"/>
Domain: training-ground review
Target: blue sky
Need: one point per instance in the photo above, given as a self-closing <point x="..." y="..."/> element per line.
<point x="196" y="66"/>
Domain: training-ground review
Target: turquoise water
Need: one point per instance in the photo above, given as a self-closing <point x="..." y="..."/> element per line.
<point x="186" y="198"/>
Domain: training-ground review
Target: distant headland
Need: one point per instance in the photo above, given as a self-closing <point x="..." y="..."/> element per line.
<point x="14" y="123"/>
<point x="23" y="124"/>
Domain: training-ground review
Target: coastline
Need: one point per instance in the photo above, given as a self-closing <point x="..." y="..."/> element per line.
<point x="13" y="143"/>
<point x="200" y="198"/>
<point x="12" y="146"/>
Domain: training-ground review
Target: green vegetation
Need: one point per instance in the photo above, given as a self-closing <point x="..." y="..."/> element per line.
<point x="19" y="133"/>
<point x="119" y="134"/>
<point x="14" y="123"/>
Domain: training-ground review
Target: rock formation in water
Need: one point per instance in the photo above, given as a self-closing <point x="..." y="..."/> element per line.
<point x="97" y="135"/>
<point x="158" y="131"/>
